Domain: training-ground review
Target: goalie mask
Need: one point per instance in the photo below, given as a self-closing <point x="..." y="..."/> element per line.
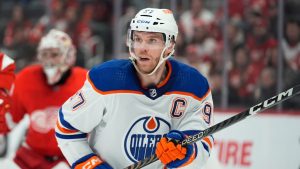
<point x="57" y="54"/>
<point x="153" y="20"/>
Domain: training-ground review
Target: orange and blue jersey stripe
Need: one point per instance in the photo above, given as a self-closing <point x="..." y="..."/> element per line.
<point x="65" y="130"/>
<point x="208" y="143"/>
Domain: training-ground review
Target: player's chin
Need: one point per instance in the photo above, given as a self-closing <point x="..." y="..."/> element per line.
<point x="145" y="70"/>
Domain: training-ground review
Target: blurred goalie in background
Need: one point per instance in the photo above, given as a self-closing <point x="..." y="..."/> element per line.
<point x="51" y="82"/>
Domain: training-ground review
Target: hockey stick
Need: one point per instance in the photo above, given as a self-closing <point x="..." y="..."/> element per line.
<point x="228" y="122"/>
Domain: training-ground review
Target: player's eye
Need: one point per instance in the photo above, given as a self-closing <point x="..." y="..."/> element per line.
<point x="153" y="41"/>
<point x="137" y="39"/>
<point x="52" y="55"/>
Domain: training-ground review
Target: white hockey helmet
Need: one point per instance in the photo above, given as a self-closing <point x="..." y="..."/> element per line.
<point x="153" y="20"/>
<point x="55" y="66"/>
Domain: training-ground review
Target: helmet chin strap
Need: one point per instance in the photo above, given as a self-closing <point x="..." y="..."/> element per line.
<point x="162" y="59"/>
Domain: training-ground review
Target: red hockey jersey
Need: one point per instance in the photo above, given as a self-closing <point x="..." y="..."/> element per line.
<point x="33" y="96"/>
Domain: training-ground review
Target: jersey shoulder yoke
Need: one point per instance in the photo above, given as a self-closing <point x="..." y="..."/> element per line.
<point x="113" y="75"/>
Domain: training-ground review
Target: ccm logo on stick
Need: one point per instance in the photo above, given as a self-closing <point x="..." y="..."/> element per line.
<point x="143" y="21"/>
<point x="271" y="101"/>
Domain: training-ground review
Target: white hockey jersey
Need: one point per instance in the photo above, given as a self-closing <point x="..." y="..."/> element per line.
<point x="120" y="121"/>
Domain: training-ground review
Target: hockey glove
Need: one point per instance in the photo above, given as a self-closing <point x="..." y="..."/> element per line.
<point x="171" y="153"/>
<point x="7" y="76"/>
<point x="5" y="107"/>
<point x="91" y="161"/>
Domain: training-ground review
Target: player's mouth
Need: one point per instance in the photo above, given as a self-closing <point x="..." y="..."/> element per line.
<point x="143" y="59"/>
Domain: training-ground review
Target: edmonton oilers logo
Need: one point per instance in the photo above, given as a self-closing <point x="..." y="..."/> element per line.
<point x="140" y="141"/>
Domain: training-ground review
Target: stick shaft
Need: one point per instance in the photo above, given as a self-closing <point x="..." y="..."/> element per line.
<point x="260" y="107"/>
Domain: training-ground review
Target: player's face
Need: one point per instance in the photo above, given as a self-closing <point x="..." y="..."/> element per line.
<point x="51" y="57"/>
<point x="147" y="47"/>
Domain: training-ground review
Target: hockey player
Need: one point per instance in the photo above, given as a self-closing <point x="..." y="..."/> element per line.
<point x="39" y="91"/>
<point x="130" y="109"/>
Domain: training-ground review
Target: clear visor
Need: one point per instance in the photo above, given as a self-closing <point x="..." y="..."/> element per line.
<point x="147" y="44"/>
<point x="151" y="41"/>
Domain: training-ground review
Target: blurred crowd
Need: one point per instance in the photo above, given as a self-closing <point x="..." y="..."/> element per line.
<point x="251" y="29"/>
<point x="23" y="23"/>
